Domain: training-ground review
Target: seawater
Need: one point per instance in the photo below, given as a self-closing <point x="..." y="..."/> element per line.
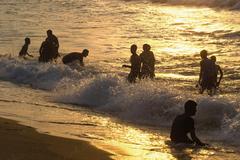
<point x="177" y="32"/>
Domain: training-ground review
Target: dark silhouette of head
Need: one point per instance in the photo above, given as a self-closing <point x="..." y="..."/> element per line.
<point x="213" y="58"/>
<point x="203" y="54"/>
<point x="85" y="52"/>
<point x="49" y="32"/>
<point x="27" y="40"/>
<point x="146" y="47"/>
<point x="133" y="48"/>
<point x="190" y="108"/>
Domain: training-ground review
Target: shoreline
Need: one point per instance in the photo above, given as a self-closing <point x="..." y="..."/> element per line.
<point x="21" y="142"/>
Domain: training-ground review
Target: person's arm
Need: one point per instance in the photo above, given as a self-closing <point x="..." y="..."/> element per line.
<point x="200" y="74"/>
<point x="154" y="59"/>
<point x="81" y="63"/>
<point x="196" y="139"/>
<point x="58" y="54"/>
<point x="126" y="66"/>
<point x="29" y="55"/>
<point x="56" y="41"/>
<point x="153" y="67"/>
<point x="193" y="134"/>
<point x="40" y="49"/>
<point x="221" y="75"/>
<point x="20" y="53"/>
<point x="132" y="61"/>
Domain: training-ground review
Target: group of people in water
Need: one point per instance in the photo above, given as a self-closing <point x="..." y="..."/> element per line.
<point x="48" y="51"/>
<point x="143" y="66"/>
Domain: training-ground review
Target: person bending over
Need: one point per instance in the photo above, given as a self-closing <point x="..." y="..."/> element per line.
<point x="184" y="125"/>
<point x="71" y="57"/>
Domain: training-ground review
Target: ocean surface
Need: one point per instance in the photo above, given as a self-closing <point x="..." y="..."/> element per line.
<point x="95" y="102"/>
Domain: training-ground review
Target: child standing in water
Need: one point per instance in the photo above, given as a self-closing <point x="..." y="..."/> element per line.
<point x="217" y="69"/>
<point x="24" y="51"/>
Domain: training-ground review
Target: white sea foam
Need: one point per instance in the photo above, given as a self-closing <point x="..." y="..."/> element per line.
<point x="151" y="103"/>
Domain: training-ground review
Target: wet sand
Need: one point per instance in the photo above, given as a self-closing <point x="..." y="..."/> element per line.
<point x="21" y="142"/>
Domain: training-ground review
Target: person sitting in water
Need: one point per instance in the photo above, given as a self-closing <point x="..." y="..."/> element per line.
<point x="71" y="57"/>
<point x="206" y="76"/>
<point x="217" y="69"/>
<point x="24" y="51"/>
<point x="148" y="62"/>
<point x="135" y="65"/>
<point x="184" y="124"/>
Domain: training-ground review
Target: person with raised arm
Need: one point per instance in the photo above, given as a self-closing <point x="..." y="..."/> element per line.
<point x="135" y="65"/>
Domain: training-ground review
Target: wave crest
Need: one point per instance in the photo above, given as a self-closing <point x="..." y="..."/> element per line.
<point x="232" y="4"/>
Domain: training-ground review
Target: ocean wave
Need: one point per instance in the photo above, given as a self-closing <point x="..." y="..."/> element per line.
<point x="232" y="4"/>
<point x="155" y="103"/>
<point x="45" y="76"/>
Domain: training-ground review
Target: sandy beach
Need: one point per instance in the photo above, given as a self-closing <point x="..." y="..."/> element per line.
<point x="20" y="142"/>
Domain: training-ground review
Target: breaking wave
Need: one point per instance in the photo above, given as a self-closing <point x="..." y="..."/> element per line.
<point x="153" y="103"/>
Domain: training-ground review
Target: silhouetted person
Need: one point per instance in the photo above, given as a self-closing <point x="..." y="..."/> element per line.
<point x="45" y="52"/>
<point x="135" y="65"/>
<point x="53" y="41"/>
<point x="24" y="51"/>
<point x="206" y="76"/>
<point x="148" y="62"/>
<point x="75" y="56"/>
<point x="184" y="125"/>
<point x="217" y="69"/>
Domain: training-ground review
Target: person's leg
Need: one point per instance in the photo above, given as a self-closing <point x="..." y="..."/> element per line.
<point x="201" y="90"/>
<point x="211" y="86"/>
<point x="131" y="78"/>
<point x="152" y="75"/>
<point x="210" y="92"/>
<point x="202" y="87"/>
